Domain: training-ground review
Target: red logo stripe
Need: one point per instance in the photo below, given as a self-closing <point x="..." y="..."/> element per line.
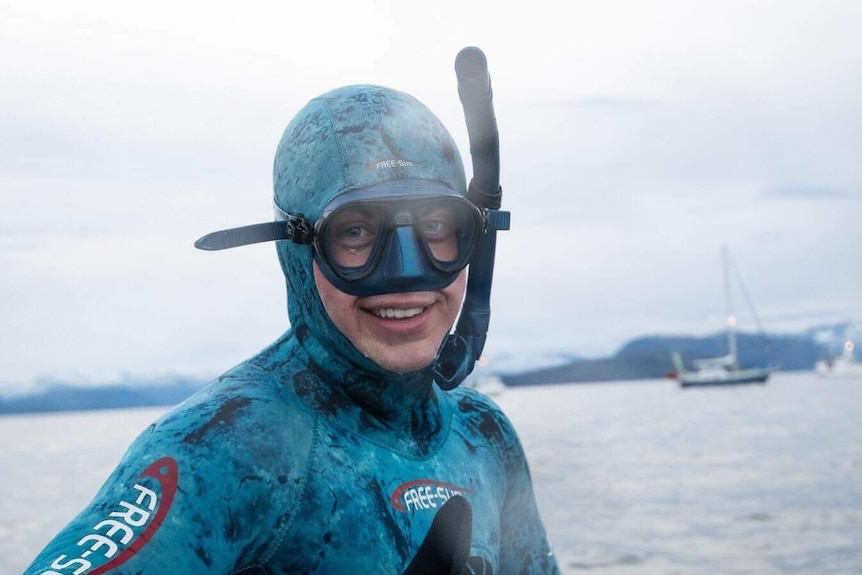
<point x="166" y="473"/>
<point x="395" y="498"/>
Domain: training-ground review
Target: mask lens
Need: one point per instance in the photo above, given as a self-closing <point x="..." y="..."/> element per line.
<point x="351" y="234"/>
<point x="447" y="230"/>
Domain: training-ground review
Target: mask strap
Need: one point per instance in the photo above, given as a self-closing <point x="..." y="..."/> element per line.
<point x="287" y="227"/>
<point x="224" y="239"/>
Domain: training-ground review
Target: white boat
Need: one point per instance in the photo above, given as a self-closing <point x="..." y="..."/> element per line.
<point x="724" y="370"/>
<point x="720" y="371"/>
<point x="844" y="365"/>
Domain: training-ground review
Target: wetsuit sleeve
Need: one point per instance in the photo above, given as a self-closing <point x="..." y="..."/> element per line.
<point x="207" y="490"/>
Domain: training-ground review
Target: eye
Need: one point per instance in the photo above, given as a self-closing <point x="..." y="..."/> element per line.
<point x="440" y="229"/>
<point x="353" y="228"/>
<point x="350" y="236"/>
<point x="439" y="225"/>
<point x="353" y="233"/>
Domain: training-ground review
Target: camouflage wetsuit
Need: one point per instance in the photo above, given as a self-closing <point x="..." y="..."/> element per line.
<point x="308" y="457"/>
<point x="281" y="468"/>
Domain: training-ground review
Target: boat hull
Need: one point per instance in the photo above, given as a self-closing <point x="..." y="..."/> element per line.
<point x="740" y="377"/>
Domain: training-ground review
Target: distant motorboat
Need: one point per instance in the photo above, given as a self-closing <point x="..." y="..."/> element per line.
<point x="844" y="365"/>
<point x="724" y="370"/>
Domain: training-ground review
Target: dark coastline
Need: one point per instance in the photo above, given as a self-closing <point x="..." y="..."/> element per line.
<point x="646" y="357"/>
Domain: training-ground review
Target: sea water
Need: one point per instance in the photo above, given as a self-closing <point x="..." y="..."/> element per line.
<point x="631" y="477"/>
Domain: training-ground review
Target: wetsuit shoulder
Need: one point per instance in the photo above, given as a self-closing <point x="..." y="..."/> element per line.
<point x="210" y="487"/>
<point x="482" y="417"/>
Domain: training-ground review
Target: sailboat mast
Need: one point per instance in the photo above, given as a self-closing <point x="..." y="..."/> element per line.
<point x="731" y="319"/>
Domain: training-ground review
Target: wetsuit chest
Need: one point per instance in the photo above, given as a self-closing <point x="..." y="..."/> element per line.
<point x="366" y="507"/>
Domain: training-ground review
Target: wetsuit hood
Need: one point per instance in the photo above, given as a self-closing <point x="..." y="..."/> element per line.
<point x="351" y="138"/>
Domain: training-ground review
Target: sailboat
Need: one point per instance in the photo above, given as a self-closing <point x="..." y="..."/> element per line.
<point x="724" y="370"/>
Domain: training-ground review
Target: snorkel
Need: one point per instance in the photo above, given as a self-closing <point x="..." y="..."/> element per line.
<point x="463" y="348"/>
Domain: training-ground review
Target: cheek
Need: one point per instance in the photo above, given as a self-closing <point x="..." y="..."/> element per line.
<point x="338" y="305"/>
<point x="455" y="291"/>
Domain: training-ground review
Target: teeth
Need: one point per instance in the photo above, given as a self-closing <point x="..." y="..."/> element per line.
<point x="389" y="312"/>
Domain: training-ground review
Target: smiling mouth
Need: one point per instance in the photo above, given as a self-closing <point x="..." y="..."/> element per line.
<point x="397" y="313"/>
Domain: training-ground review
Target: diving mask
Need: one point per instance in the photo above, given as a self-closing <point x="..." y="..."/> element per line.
<point x="388" y="239"/>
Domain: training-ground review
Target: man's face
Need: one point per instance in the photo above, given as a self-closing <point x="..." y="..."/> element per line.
<point x="400" y="332"/>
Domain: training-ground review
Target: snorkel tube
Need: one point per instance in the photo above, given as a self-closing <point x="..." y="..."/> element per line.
<point x="463" y="348"/>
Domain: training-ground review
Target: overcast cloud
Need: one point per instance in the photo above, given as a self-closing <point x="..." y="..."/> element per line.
<point x="637" y="138"/>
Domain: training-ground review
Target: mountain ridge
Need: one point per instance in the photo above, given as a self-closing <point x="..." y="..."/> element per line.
<point x="644" y="357"/>
<point x="650" y="357"/>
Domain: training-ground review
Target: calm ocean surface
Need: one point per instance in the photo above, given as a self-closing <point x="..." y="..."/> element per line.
<point x="634" y="477"/>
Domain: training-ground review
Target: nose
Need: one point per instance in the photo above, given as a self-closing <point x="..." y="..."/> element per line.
<point x="402" y="258"/>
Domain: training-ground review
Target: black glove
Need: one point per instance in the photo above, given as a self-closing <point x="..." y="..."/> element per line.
<point x="447" y="545"/>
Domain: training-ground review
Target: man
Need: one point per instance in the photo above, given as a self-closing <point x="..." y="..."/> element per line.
<point x="332" y="450"/>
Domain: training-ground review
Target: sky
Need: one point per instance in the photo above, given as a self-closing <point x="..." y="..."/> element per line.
<point x="637" y="138"/>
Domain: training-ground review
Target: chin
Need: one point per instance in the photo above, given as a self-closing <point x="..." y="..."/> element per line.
<point x="402" y="369"/>
<point x="396" y="364"/>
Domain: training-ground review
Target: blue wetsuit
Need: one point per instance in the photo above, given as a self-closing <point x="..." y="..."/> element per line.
<point x="278" y="467"/>
<point x="309" y="457"/>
